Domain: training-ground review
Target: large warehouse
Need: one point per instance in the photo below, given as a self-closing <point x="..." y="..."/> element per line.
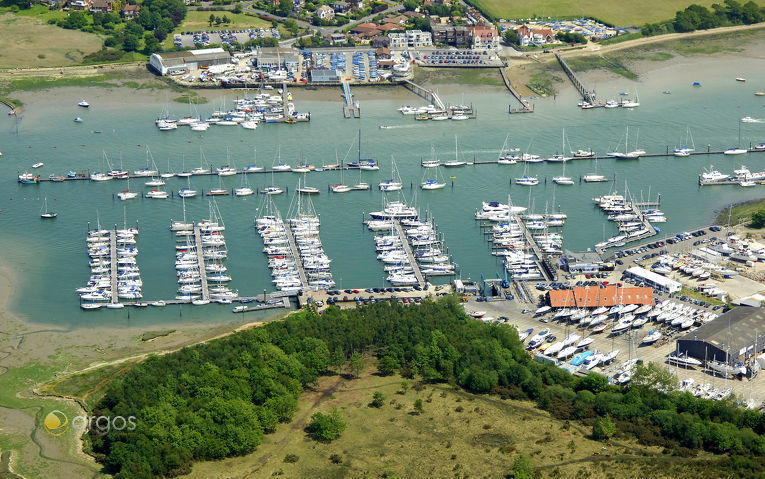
<point x="654" y="280"/>
<point x="735" y="336"/>
<point x="170" y="63"/>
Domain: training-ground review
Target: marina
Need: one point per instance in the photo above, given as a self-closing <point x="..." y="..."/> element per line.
<point x="78" y="149"/>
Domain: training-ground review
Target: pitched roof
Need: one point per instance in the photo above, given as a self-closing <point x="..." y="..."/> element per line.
<point x="593" y="296"/>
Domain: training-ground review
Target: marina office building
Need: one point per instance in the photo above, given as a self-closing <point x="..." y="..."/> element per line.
<point x="173" y="63"/>
<point x="734" y="337"/>
<point x="654" y="280"/>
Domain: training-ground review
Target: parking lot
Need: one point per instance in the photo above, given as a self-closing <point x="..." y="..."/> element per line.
<point x="220" y="37"/>
<point x="457" y="58"/>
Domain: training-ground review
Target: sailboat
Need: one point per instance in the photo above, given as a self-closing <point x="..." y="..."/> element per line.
<point x="253" y="167"/>
<point x="736" y="150"/>
<point x="361" y="185"/>
<point x="127" y="194"/>
<point x="433" y="162"/>
<point x="272" y="190"/>
<point x="227" y="170"/>
<point x="685" y="150"/>
<point x="507" y="155"/>
<point x="192" y="118"/>
<point x="560" y="158"/>
<point x="527" y="180"/>
<point x="433" y="181"/>
<point x="367" y="164"/>
<point x="187" y="192"/>
<point x="456" y="162"/>
<point x="155" y="181"/>
<point x="169" y="173"/>
<point x="219" y="191"/>
<point x="245" y="189"/>
<point x="631" y="155"/>
<point x="563" y="180"/>
<point x="98" y="176"/>
<point x="594" y="177"/>
<point x="393" y="184"/>
<point x="181" y="225"/>
<point x="307" y="190"/>
<point x="202" y="160"/>
<point x="45" y="213"/>
<point x="342" y="187"/>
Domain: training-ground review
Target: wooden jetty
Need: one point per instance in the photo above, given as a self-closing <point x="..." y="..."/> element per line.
<point x="201" y="262"/>
<point x="113" y="273"/>
<point x="409" y="254"/>
<point x="525" y="106"/>
<point x="296" y="255"/>
<point x="587" y="95"/>
<point x="350" y="109"/>
<point x="429" y="95"/>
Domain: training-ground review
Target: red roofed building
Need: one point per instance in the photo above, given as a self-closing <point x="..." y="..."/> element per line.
<point x="527" y="36"/>
<point x="595" y="297"/>
<point x="484" y="36"/>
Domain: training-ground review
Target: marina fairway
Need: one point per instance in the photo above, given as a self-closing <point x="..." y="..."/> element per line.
<point x="49" y="258"/>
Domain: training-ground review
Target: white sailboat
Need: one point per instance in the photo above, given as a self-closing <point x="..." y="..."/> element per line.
<point x="245" y="189"/>
<point x="594" y="177"/>
<point x="202" y="160"/>
<point x="526" y="179"/>
<point x="563" y="179"/>
<point x="341" y="187"/>
<point x="187" y="191"/>
<point x="508" y="156"/>
<point x="125" y="195"/>
<point x="393" y="184"/>
<point x="456" y="162"/>
<point x="560" y="158"/>
<point x="688" y="148"/>
<point x="433" y="181"/>
<point x="45" y="213"/>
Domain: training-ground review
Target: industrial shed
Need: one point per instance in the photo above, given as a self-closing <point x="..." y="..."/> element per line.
<point x="178" y="62"/>
<point x="735" y="336"/>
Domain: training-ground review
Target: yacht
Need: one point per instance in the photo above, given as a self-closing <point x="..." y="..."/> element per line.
<point x="84" y="104"/>
<point x="735" y="150"/>
<point x="45" y="213"/>
<point x="527" y="180"/>
<point x="711" y="175"/>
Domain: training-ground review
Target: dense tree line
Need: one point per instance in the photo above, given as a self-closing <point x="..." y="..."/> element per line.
<point x="697" y="17"/>
<point x="218" y="399"/>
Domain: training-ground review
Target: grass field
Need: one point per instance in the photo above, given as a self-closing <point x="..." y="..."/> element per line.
<point x="459" y="76"/>
<point x="616" y="12"/>
<point x="459" y="435"/>
<point x="30" y="42"/>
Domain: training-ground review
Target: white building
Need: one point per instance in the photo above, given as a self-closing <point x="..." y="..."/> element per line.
<point x="654" y="280"/>
<point x="418" y="38"/>
<point x="397" y="40"/>
<point x="410" y="38"/>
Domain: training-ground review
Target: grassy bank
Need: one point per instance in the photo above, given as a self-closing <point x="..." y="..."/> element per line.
<point x="543" y="83"/>
<point x="458" y="76"/>
<point x="740" y="213"/>
<point x="31" y="42"/>
<point x="614" y="64"/>
<point x="615" y="12"/>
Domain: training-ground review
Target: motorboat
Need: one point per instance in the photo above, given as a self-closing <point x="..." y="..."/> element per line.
<point x="78" y="120"/>
<point x="127" y="195"/>
<point x="83" y="104"/>
<point x="38" y="165"/>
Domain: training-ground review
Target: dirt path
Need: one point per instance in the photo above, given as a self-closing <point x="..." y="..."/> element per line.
<point x="639" y="42"/>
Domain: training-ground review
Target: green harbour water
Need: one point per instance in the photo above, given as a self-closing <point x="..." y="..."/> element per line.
<point x="49" y="260"/>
